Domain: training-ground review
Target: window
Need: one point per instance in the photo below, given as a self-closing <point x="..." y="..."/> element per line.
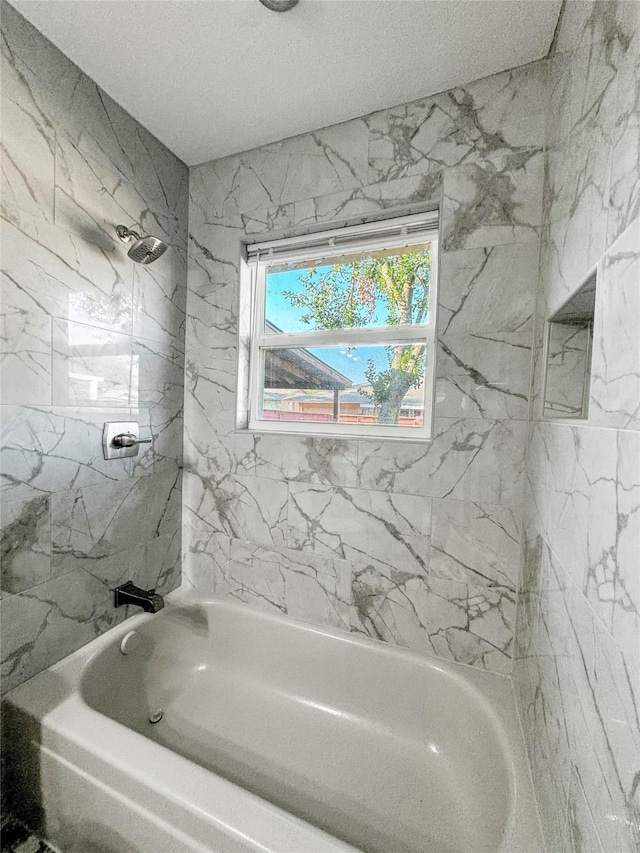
<point x="342" y="333"/>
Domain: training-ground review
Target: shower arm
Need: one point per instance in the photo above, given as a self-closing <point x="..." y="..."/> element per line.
<point x="126" y="234"/>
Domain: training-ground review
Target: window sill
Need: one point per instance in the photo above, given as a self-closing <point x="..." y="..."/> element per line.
<point x="341" y="436"/>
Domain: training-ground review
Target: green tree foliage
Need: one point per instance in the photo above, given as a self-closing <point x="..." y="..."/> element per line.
<point x="386" y="291"/>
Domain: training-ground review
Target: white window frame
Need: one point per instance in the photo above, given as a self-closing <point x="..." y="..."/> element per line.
<point x="300" y="249"/>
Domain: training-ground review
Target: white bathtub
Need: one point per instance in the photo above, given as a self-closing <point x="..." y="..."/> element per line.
<point x="276" y="736"/>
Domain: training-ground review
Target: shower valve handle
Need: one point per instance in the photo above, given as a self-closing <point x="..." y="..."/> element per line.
<point x="128" y="439"/>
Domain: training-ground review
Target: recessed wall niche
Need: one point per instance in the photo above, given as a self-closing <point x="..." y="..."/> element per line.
<point x="569" y="343"/>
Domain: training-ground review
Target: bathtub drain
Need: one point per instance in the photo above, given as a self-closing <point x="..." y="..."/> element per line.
<point x="156" y="716"/>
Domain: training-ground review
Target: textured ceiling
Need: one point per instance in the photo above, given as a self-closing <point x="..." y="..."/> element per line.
<point x="214" y="77"/>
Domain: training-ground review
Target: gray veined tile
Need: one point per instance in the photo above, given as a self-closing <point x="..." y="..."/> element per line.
<point x="96" y="522"/>
<point x="25" y="544"/>
<point x="318" y="163"/>
<point x="496" y="202"/>
<point x="205" y="556"/>
<point x="28" y="152"/>
<point x="496" y="115"/>
<point x="468" y="459"/>
<point x="583" y="836"/>
<point x="25" y="333"/>
<point x="383" y="529"/>
<point x="42" y="625"/>
<point x="303" y="586"/>
<point x="91" y="198"/>
<point x="212" y="331"/>
<point x="241" y="507"/>
<point x="66" y="276"/>
<point x="94" y="367"/>
<point x="97" y="367"/>
<point x="156" y="564"/>
<point x="165" y="452"/>
<point x="34" y="68"/>
<point x="483" y="374"/>
<point x="277" y="217"/>
<point x="159" y="305"/>
<point x="214" y="189"/>
<point x="306" y="459"/>
<point x="390" y="605"/>
<point x="397" y="196"/>
<point x="469" y="623"/>
<point x="211" y="382"/>
<point x="47" y="449"/>
<point x="214" y="272"/>
<point x="476" y="542"/>
<point x="162" y="180"/>
<point x="624" y="187"/>
<point x="615" y="373"/>
<point x="491" y="289"/>
<point x="475" y="554"/>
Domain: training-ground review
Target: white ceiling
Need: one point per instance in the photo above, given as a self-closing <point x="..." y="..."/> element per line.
<point x="214" y="77"/>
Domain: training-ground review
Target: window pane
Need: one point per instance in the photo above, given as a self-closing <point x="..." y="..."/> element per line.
<point x="384" y="288"/>
<point x="357" y="385"/>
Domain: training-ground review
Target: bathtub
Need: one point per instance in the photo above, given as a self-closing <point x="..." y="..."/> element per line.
<point x="271" y="735"/>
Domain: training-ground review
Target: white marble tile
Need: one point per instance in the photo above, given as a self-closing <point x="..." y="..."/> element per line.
<point x="97" y="367"/>
<point x="304" y="586"/>
<point x="390" y="605"/>
<point x="25" y="544"/>
<point x="491" y="289"/>
<point x="46" y="623"/>
<point x="498" y="114"/>
<point x="615" y="383"/>
<point x="35" y="70"/>
<point x="91" y="197"/>
<point x="156" y="564"/>
<point x="28" y="149"/>
<point x="583" y="836"/>
<point x="241" y="507"/>
<point x="95" y="522"/>
<point x="383" y="529"/>
<point x="159" y="305"/>
<point x="67" y="277"/>
<point x="317" y="163"/>
<point x="162" y="180"/>
<point x="292" y="458"/>
<point x="212" y="445"/>
<point x="398" y="196"/>
<point x="47" y="449"/>
<point x="624" y="185"/>
<point x="165" y="428"/>
<point x="477" y="460"/>
<point x="25" y="333"/>
<point x="476" y="542"/>
<point x="494" y="202"/>
<point x="205" y="556"/>
<point x="94" y="367"/>
<point x="469" y="623"/>
<point x="483" y="374"/>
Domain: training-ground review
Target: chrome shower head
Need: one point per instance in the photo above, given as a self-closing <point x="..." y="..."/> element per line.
<point x="145" y="250"/>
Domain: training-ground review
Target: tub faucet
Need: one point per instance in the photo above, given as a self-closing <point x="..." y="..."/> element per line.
<point x="129" y="593"/>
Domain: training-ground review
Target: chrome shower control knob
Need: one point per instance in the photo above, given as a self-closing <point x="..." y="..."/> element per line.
<point x="128" y="439"/>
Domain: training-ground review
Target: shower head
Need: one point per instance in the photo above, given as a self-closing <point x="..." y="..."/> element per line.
<point x="145" y="250"/>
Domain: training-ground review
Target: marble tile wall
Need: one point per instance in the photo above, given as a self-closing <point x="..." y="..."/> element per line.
<point x="415" y="544"/>
<point x="87" y="337"/>
<point x="577" y="661"/>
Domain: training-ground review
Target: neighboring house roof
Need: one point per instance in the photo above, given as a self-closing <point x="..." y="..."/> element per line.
<point x="297" y="368"/>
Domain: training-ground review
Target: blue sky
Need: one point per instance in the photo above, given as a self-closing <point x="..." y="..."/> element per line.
<point x="280" y="311"/>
